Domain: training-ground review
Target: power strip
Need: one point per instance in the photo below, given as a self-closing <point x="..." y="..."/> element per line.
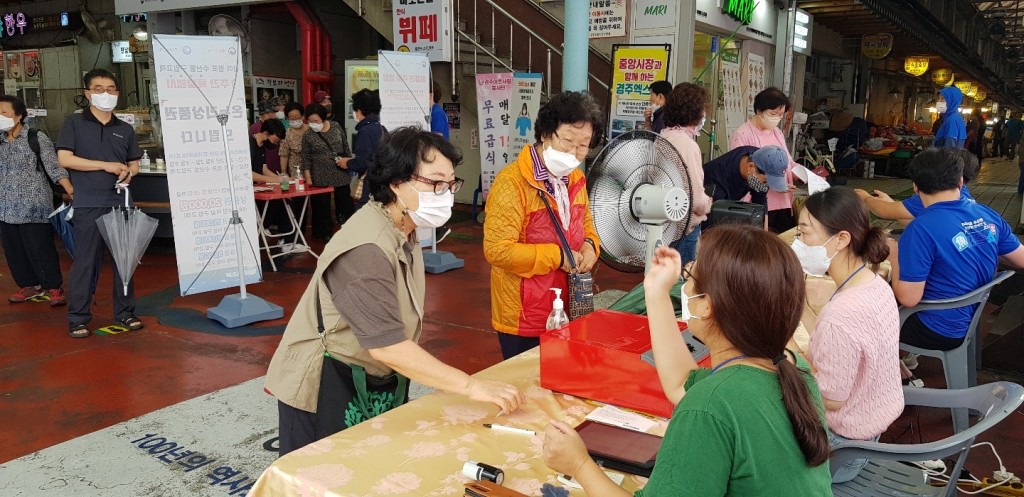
<point x="1004" y="490"/>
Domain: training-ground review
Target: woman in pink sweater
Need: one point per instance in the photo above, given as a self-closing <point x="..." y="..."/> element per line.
<point x="684" y="117"/>
<point x="855" y="345"/>
<point x="761" y="130"/>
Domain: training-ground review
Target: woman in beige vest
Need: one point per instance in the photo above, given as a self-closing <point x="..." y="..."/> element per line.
<point x="367" y="296"/>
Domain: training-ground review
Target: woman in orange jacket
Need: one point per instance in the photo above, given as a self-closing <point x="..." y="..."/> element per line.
<point x="520" y="240"/>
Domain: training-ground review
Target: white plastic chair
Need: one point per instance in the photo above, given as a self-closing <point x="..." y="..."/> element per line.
<point x="883" y="475"/>
<point x="960" y="365"/>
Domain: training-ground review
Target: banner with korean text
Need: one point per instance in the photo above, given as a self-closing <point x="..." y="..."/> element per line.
<point x="199" y="77"/>
<point x="493" y="96"/>
<point x="423" y="26"/>
<point x="404" y="85"/>
<point x="524" y="106"/>
<point x="634" y="68"/>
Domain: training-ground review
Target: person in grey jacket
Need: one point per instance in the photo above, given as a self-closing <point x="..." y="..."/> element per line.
<point x="25" y="201"/>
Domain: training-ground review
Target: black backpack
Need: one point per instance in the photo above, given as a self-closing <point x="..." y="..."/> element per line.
<point x="33" y="143"/>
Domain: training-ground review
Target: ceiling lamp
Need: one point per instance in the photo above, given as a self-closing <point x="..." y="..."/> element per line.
<point x="942" y="76"/>
<point x="915" y="65"/>
<point x="140" y="33"/>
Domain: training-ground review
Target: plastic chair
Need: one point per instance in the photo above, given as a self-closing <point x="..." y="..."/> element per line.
<point x="959" y="365"/>
<point x="883" y="475"/>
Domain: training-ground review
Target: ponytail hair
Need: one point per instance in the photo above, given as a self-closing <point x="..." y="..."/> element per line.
<point x="756" y="286"/>
<point x="839" y="209"/>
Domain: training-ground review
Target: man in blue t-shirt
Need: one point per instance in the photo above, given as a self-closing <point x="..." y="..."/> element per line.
<point x="882" y="205"/>
<point x="952" y="248"/>
<point x="438" y="117"/>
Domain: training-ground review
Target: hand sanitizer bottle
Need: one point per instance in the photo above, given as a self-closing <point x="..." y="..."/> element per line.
<point x="144" y="161"/>
<point x="557" y="318"/>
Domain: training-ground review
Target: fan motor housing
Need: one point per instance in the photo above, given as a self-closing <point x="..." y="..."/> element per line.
<point x="656" y="204"/>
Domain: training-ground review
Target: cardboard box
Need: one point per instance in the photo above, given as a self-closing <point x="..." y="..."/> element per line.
<point x="598" y="357"/>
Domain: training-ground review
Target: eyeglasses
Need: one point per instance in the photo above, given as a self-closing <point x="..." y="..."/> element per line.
<point x="577" y="149"/>
<point x="688" y="271"/>
<point x="441" y="186"/>
<point x="104" y="89"/>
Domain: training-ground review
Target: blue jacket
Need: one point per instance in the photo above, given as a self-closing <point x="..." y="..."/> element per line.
<point x="369" y="133"/>
<point x="953" y="132"/>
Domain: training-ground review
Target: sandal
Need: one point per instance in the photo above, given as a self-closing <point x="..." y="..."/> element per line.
<point x="79" y="331"/>
<point x="132" y="323"/>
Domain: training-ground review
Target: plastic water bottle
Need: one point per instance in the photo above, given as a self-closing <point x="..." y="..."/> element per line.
<point x="144" y="161"/>
<point x="300" y="184"/>
<point x="557" y="318"/>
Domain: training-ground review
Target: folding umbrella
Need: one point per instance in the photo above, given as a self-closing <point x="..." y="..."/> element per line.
<point x="127" y="232"/>
<point x="61" y="223"/>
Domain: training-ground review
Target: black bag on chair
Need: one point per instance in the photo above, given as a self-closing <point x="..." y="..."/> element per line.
<point x="581" y="285"/>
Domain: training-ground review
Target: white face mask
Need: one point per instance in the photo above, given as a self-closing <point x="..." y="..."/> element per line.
<point x="814" y="260"/>
<point x="280" y="115"/>
<point x="6" y="123"/>
<point x="103" y="101"/>
<point x="771" y="122"/>
<point x="655" y="107"/>
<point x="684" y="311"/>
<point x="318" y="127"/>
<point x="940" y="107"/>
<point x="560" y="164"/>
<point x="295" y="123"/>
<point x="355" y="117"/>
<point x="434" y="209"/>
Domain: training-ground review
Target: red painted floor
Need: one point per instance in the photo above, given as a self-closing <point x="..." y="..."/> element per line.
<point x="55" y="388"/>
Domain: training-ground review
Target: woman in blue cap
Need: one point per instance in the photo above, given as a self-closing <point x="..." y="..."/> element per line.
<point x="952" y="133"/>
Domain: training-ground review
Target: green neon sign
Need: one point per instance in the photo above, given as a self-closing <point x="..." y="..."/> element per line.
<point x="741" y="10"/>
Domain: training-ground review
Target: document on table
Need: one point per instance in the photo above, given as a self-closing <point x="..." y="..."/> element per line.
<point x="814" y="182"/>
<point x="611" y="415"/>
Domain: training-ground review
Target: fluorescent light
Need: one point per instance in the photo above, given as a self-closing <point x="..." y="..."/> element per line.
<point x="802" y="18"/>
<point x="801" y="30"/>
<point x="800" y="43"/>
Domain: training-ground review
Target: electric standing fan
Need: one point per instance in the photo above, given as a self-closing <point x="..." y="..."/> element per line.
<point x="640" y="197"/>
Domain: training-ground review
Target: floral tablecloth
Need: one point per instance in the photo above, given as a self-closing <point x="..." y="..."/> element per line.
<point x="419" y="448"/>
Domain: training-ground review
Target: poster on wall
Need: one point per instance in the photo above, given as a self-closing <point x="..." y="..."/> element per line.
<point x="270" y="87"/>
<point x="493" y="97"/>
<point x="634" y="68"/>
<point x="404" y="80"/>
<point x="732" y="94"/>
<point x="197" y="173"/>
<point x="30" y="65"/>
<point x="12" y="66"/>
<point x="523" y="109"/>
<point x="607" y="18"/>
<point x="424" y="26"/>
<point x="454" y="113"/>
<point x="754" y="79"/>
<point x="359" y="75"/>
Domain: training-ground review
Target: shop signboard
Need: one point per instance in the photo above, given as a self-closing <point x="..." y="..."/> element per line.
<point x="607" y="18"/>
<point x="876" y="46"/>
<point x="193" y="73"/>
<point x="942" y="77"/>
<point x="127" y="7"/>
<point x="756" y="20"/>
<point x="523" y="109"/>
<point x="423" y="26"/>
<point x="493" y="98"/>
<point x="634" y="68"/>
<point x="654" y="14"/>
<point x="404" y="89"/>
<point x="915" y="66"/>
<point x="120" y="52"/>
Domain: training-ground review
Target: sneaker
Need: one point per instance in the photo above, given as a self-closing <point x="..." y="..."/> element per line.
<point x="910" y="361"/>
<point x="25" y="294"/>
<point x="913" y="381"/>
<point x="57" y="297"/>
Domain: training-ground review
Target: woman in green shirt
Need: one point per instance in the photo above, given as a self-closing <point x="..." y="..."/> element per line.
<point x="753" y="424"/>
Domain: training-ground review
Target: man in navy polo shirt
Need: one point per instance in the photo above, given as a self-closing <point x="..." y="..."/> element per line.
<point x="953" y="247"/>
<point x="98" y="150"/>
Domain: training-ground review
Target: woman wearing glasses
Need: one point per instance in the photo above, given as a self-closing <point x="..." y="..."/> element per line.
<point x="761" y="130"/>
<point x="521" y="240"/>
<point x="752" y="424"/>
<point x="367" y="297"/>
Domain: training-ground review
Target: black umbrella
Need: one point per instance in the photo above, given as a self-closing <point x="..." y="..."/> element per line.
<point x="127" y="232"/>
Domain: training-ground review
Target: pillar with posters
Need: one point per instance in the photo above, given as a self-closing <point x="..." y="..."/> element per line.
<point x="200" y="81"/>
<point x="493" y="97"/>
<point x="634" y="68"/>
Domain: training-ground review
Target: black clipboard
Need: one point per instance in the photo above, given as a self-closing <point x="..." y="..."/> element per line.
<point x="620" y="449"/>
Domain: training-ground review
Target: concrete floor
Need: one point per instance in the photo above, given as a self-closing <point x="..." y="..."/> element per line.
<point x="56" y="391"/>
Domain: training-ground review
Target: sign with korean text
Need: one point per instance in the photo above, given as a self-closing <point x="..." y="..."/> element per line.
<point x="942" y="77"/>
<point x="423" y="26"/>
<point x="359" y="75"/>
<point x="404" y="89"/>
<point x="193" y="72"/>
<point x="453" y="111"/>
<point x="493" y="99"/>
<point x="523" y="108"/>
<point x="634" y="68"/>
<point x="607" y="18"/>
<point x="876" y="46"/>
<point x="269" y="87"/>
<point x="120" y="52"/>
<point x="915" y="65"/>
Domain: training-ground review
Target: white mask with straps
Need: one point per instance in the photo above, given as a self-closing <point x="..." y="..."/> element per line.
<point x="104" y="101"/>
<point x="814" y="260"/>
<point x="6" y="123"/>
<point x="434" y="209"/>
<point x="560" y="164"/>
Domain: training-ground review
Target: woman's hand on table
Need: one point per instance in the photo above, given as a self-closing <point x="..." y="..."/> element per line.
<point x="564" y="450"/>
<point x="507" y="397"/>
<point x="664" y="272"/>
<point x="588" y="257"/>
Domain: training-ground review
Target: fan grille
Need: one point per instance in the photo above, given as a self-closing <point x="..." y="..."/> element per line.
<point x="632" y="159"/>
